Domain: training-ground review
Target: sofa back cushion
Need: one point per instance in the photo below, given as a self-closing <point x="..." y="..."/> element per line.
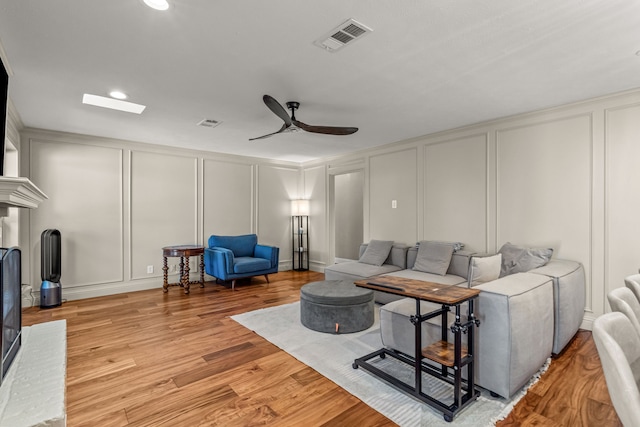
<point x="459" y="265"/>
<point x="240" y="245"/>
<point x="433" y="257"/>
<point x="397" y="255"/>
<point x="377" y="252"/>
<point x="484" y="269"/>
<point x="520" y="259"/>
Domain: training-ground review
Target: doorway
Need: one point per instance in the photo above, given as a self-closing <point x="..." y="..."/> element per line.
<point x="347" y="199"/>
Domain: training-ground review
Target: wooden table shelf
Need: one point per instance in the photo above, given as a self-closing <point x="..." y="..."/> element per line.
<point x="443" y="352"/>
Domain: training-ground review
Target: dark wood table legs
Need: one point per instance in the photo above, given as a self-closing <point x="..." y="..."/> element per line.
<point x="184" y="252"/>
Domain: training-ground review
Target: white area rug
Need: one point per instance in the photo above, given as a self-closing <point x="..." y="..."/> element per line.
<point x="332" y="356"/>
<point x="33" y="391"/>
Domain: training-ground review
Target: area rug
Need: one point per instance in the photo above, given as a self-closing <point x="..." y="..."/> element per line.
<point x="33" y="391"/>
<point x="332" y="356"/>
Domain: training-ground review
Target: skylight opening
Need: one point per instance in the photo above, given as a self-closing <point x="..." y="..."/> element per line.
<point x="114" y="104"/>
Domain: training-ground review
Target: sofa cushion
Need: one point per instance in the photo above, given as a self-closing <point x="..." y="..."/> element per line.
<point x="240" y="245"/>
<point x="484" y="269"/>
<point x="447" y="279"/>
<point x="377" y="252"/>
<point x="353" y="270"/>
<point x="519" y="259"/>
<point x="250" y="264"/>
<point x="433" y="257"/>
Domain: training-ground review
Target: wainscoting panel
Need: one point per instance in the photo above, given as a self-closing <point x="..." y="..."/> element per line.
<point x="623" y="195"/>
<point x="544" y="186"/>
<point x="315" y="189"/>
<point x="84" y="185"/>
<point x="455" y="191"/>
<point x="277" y="185"/>
<point x="393" y="176"/>
<point x="163" y="208"/>
<point x="228" y="198"/>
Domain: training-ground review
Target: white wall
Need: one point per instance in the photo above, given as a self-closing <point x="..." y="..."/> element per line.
<point x="565" y="178"/>
<point x="117" y="203"/>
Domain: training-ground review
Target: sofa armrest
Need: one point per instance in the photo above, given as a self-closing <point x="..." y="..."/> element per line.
<point x="267" y="252"/>
<point x="569" y="294"/>
<point x="515" y="336"/>
<point x="221" y="259"/>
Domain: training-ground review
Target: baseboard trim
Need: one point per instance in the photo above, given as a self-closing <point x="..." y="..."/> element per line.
<point x="587" y="321"/>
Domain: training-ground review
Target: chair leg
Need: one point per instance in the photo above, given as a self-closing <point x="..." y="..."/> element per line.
<point x="233" y="285"/>
<point x="266" y="276"/>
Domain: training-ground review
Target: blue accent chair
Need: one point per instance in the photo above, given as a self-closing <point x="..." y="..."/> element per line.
<point x="236" y="257"/>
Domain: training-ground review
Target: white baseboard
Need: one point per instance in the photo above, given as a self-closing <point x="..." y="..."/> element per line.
<point x="587" y="321"/>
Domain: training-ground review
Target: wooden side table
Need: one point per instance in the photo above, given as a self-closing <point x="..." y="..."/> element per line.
<point x="450" y="356"/>
<point x="184" y="252"/>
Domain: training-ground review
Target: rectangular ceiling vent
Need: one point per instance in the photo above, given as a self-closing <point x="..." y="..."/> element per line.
<point x="342" y="35"/>
<point x="209" y="123"/>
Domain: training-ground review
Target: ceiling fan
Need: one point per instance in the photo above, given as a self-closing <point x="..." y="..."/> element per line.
<point x="293" y="125"/>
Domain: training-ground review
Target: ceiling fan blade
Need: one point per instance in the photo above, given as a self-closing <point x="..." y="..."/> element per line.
<point x="329" y="130"/>
<point x="282" y="129"/>
<point x="277" y="109"/>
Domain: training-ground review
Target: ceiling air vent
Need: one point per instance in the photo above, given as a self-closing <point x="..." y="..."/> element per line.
<point x="344" y="34"/>
<point x="209" y="123"/>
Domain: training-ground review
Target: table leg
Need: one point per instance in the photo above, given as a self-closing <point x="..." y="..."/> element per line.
<point x="418" y="349"/>
<point x="202" y="270"/>
<point x="457" y="349"/>
<point x="185" y="278"/>
<point x="165" y="282"/>
<point x="470" y="344"/>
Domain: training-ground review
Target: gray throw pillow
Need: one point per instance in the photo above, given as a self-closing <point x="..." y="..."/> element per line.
<point x="519" y="259"/>
<point x="484" y="269"/>
<point x="377" y="252"/>
<point x="433" y="257"/>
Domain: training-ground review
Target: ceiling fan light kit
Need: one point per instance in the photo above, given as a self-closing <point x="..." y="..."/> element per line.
<point x="157" y="4"/>
<point x="291" y="124"/>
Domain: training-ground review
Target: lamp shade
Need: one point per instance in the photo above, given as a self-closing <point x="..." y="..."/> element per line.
<point x="300" y="207"/>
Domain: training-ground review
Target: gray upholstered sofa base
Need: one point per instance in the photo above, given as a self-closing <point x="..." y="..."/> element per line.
<point x="569" y="296"/>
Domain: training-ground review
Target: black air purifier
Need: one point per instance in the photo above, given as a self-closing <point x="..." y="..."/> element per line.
<point x="51" y="264"/>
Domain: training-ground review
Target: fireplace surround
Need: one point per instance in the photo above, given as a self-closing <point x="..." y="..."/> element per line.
<point x="11" y="308"/>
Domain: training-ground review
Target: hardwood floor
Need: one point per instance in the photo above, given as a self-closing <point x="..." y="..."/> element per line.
<point x="151" y="359"/>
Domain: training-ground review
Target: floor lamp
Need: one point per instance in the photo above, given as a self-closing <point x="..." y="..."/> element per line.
<point x="300" y="234"/>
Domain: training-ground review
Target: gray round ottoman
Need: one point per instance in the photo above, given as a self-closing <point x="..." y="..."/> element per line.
<point x="336" y="306"/>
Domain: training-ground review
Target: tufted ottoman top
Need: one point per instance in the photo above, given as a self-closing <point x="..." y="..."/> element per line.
<point x="335" y="292"/>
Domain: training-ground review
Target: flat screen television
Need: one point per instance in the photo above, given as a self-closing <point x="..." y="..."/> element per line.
<point x="4" y="96"/>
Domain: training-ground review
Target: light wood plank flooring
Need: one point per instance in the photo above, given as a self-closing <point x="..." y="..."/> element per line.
<point x="153" y="359"/>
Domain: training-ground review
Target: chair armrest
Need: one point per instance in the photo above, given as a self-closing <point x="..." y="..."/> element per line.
<point x="222" y="258"/>
<point x="267" y="252"/>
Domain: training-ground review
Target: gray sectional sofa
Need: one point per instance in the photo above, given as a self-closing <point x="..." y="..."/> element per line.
<point x="525" y="316"/>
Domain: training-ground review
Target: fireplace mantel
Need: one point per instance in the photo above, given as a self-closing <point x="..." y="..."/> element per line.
<point x="19" y="192"/>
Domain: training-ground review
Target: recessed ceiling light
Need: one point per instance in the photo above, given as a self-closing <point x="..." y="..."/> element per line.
<point x="157" y="4"/>
<point x="115" y="104"/>
<point x="117" y="94"/>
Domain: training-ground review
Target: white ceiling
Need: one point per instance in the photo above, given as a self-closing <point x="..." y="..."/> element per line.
<point x="427" y="66"/>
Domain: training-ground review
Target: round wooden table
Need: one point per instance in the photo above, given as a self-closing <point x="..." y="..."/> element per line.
<point x="184" y="252"/>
